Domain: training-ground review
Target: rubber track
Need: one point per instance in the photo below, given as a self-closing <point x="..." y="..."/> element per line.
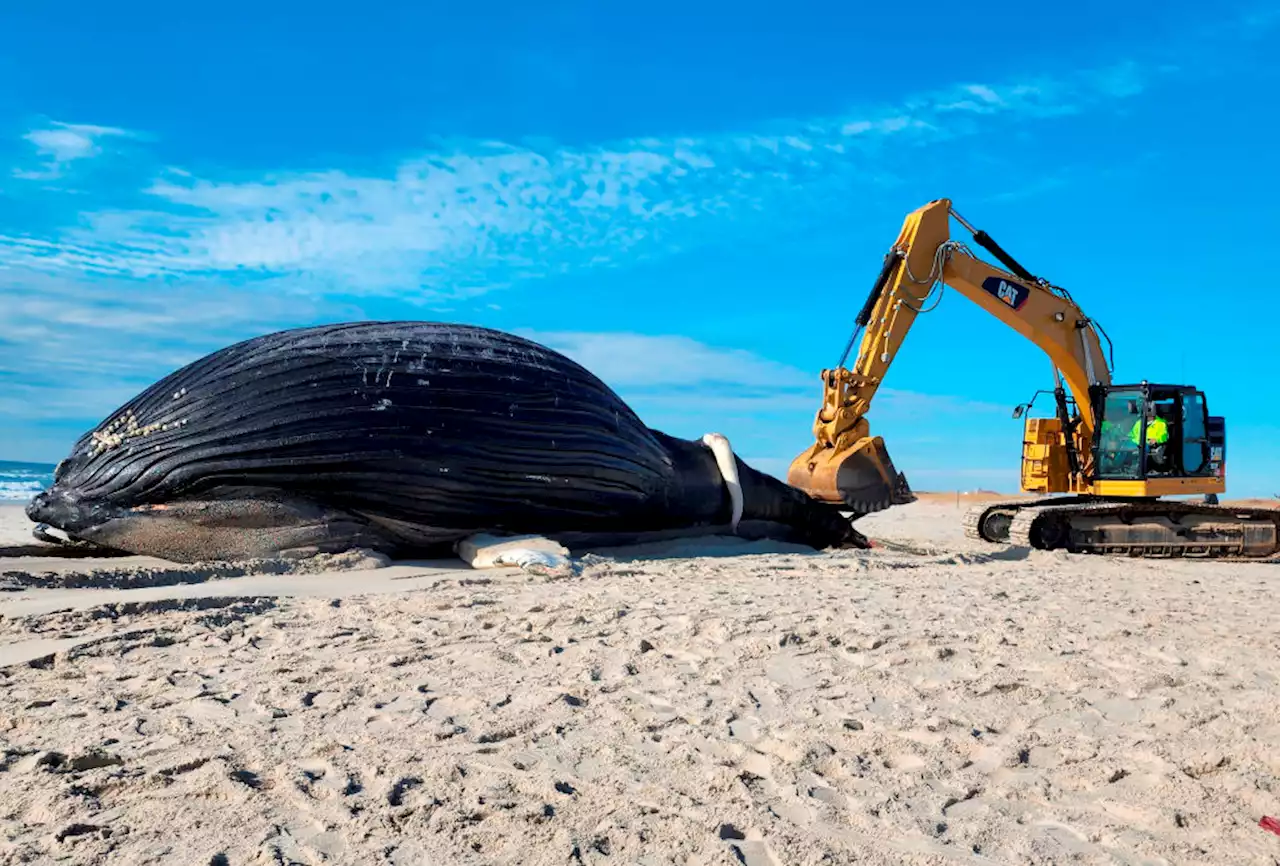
<point x="973" y="518"/>
<point x="1023" y="525"/>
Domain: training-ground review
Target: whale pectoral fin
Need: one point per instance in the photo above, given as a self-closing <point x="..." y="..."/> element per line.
<point x="235" y="529"/>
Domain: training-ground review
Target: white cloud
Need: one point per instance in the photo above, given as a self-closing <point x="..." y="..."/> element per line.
<point x="625" y="360"/>
<point x="678" y="377"/>
<point x="464" y="218"/>
<point x="63" y="143"/>
<point x="74" y="352"/>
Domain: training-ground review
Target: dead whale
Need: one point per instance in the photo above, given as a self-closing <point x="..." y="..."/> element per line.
<point x="402" y="437"/>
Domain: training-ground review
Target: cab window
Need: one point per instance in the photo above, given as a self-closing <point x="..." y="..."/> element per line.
<point x="1119" y="454"/>
<point x="1195" y="436"/>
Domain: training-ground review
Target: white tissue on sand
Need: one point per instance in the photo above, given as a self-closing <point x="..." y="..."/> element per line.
<point x="532" y="553"/>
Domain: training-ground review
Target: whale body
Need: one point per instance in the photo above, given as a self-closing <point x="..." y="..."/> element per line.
<point x="403" y="437"/>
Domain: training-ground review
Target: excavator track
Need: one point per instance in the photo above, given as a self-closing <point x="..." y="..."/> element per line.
<point x="1154" y="528"/>
<point x="990" y="521"/>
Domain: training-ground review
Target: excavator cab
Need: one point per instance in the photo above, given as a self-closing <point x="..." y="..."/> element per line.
<point x="1155" y="433"/>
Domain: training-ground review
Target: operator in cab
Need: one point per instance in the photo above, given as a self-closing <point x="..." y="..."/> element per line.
<point x="1157" y="428"/>
<point x="1157" y="437"/>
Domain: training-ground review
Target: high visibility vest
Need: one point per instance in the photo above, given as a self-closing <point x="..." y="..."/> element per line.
<point x="1157" y="431"/>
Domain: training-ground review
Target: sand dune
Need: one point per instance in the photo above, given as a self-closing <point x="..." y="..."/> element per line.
<point x="925" y="702"/>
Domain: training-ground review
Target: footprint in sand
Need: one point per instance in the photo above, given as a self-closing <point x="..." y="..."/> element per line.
<point x="381" y="723"/>
<point x="208" y="710"/>
<point x="749" y="846"/>
<point x="401" y="789"/>
<point x="747" y="730"/>
<point x="329" y="843"/>
<point x="315" y="776"/>
<point x="249" y="779"/>
<point x="320" y="700"/>
<point x="830" y="796"/>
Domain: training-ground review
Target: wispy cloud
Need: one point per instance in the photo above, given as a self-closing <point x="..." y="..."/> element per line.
<point x="678" y="377"/>
<point x="468" y="216"/>
<point x="60" y="144"/>
<point x="670" y="361"/>
<point x="73" y="352"/>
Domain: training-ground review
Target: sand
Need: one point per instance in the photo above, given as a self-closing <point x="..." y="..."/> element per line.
<point x="928" y="701"/>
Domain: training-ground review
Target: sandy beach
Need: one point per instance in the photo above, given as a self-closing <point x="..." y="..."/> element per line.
<point x="929" y="701"/>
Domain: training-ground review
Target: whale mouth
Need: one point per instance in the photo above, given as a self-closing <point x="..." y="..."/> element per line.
<point x="40" y="509"/>
<point x="61" y="510"/>
<point x="69" y="525"/>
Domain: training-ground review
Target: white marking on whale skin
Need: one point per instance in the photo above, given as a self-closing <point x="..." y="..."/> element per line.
<point x="723" y="451"/>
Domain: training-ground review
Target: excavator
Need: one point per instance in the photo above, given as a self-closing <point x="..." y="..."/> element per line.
<point x="1100" y="467"/>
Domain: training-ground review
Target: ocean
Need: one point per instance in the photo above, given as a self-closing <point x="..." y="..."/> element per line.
<point x="21" y="481"/>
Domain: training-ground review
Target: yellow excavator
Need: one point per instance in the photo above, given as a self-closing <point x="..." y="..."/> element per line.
<point x="1110" y="452"/>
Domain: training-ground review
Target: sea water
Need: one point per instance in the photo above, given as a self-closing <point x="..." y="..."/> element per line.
<point x="21" y="481"/>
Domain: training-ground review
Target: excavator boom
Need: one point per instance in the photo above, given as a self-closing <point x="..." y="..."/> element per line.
<point x="846" y="464"/>
<point x="1114" y="450"/>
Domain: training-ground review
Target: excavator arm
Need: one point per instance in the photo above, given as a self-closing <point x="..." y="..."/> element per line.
<point x="846" y="464"/>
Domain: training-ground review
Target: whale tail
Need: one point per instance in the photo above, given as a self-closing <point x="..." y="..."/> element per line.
<point x="862" y="478"/>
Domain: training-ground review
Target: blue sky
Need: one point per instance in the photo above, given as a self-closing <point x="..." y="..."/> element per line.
<point x="691" y="198"/>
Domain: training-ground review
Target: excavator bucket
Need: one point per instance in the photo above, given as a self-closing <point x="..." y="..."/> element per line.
<point x="861" y="478"/>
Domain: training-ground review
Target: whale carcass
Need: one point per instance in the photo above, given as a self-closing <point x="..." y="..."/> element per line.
<point x="401" y="437"/>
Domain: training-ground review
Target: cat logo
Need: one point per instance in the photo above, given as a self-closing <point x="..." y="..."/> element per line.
<point x="1011" y="294"/>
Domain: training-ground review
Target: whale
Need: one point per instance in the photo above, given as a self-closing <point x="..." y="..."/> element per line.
<point x="405" y="438"/>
